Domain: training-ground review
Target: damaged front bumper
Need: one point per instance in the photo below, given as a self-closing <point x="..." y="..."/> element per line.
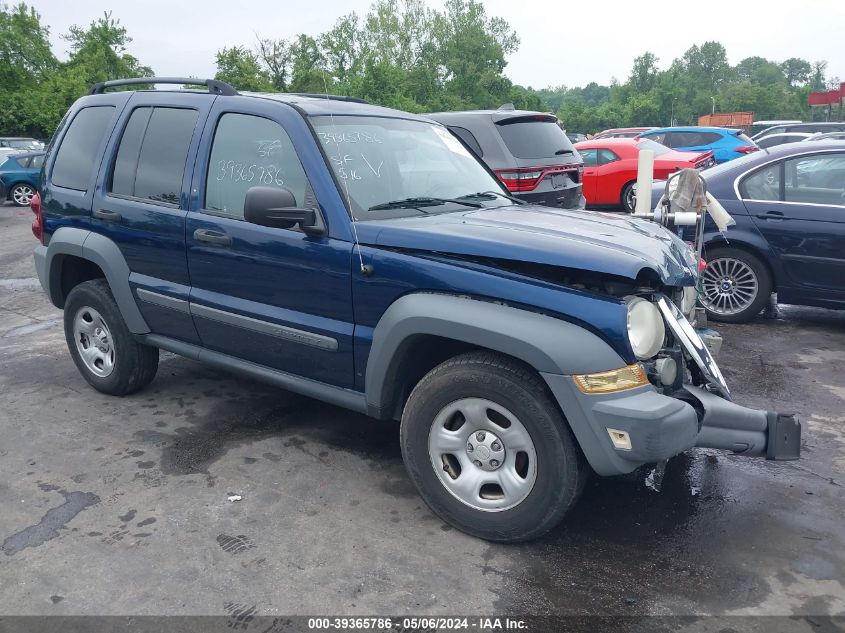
<point x="621" y="431"/>
<point x="660" y="426"/>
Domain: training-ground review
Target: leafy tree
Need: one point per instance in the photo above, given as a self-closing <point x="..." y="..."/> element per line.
<point x="644" y="72"/>
<point x="241" y="68"/>
<point x="99" y="51"/>
<point x="797" y="71"/>
<point x="25" y="54"/>
<point x="275" y="57"/>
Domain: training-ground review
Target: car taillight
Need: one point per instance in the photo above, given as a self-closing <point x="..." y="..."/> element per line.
<point x="746" y="149"/>
<point x="527" y="178"/>
<point x="701" y="264"/>
<point x="38" y="221"/>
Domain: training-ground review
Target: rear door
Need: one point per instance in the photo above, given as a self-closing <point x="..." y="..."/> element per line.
<point x="276" y="297"/>
<point x="141" y="202"/>
<point x="799" y="207"/>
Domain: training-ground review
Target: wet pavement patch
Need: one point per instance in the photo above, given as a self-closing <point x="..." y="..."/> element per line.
<point x="48" y="527"/>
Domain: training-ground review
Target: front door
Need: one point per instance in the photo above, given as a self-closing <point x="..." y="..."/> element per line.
<point x="275" y="297"/>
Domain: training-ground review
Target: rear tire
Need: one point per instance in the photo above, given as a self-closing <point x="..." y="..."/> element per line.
<point x="485" y="406"/>
<point x="103" y="348"/>
<point x="628" y="199"/>
<point x="735" y="286"/>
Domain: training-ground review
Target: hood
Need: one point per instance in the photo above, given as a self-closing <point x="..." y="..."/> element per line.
<point x="613" y="244"/>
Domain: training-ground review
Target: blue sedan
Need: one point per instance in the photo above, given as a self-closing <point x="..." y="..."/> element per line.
<point x="789" y="206"/>
<point x="19" y="174"/>
<point x="726" y="144"/>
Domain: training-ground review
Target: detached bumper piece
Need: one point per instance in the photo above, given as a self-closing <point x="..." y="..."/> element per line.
<point x="784" y="443"/>
<point x="729" y="426"/>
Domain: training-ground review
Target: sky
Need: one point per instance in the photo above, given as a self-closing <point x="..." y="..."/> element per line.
<point x="562" y="43"/>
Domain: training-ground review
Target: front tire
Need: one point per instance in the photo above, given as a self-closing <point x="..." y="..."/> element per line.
<point x="488" y="449"/>
<point x="102" y="347"/>
<point x="735" y="286"/>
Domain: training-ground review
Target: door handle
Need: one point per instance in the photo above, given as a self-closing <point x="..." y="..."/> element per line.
<point x="217" y="238"/>
<point x="772" y="215"/>
<point x="106" y="215"/>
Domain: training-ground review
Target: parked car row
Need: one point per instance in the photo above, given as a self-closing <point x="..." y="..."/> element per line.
<point x="789" y="206"/>
<point x="610" y="167"/>
<point x="19" y="176"/>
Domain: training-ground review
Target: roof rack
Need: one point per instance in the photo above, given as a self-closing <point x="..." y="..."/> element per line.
<point x="214" y="85"/>
<point x="319" y="95"/>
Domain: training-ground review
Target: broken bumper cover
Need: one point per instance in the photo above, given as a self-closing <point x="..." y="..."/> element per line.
<point x="661" y="426"/>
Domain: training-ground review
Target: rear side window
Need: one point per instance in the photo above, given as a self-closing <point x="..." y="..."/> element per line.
<point x="763" y="184"/>
<point x="151" y="159"/>
<point x="77" y="154"/>
<point x="250" y="151"/>
<point x="607" y="156"/>
<point x="535" y="138"/>
<point x="468" y="138"/>
<point x="36" y="162"/>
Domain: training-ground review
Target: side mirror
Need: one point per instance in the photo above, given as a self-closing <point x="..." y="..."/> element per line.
<point x="276" y="207"/>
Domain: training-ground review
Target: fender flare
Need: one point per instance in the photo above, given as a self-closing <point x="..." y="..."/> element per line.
<point x="104" y="253"/>
<point x="545" y="343"/>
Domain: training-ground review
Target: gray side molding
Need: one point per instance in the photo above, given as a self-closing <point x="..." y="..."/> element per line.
<point x="106" y="254"/>
<point x="547" y="344"/>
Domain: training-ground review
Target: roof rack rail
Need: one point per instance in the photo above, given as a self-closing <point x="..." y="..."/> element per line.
<point x="323" y="95"/>
<point x="214" y="86"/>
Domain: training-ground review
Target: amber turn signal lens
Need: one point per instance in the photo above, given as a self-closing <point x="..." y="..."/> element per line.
<point x="610" y="381"/>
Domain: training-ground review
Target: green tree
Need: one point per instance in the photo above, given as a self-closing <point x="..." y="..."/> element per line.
<point x="644" y="72"/>
<point x="241" y="68"/>
<point x="796" y="70"/>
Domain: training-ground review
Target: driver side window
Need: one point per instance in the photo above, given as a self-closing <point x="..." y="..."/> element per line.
<point x="590" y="156"/>
<point x="250" y="151"/>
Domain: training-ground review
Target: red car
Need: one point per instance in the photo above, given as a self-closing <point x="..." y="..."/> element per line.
<point x="610" y="168"/>
<point x="622" y="132"/>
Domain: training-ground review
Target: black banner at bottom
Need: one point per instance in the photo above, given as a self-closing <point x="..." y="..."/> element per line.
<point x="248" y="620"/>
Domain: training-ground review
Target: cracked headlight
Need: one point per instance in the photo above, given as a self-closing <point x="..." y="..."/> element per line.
<point x="646" y="331"/>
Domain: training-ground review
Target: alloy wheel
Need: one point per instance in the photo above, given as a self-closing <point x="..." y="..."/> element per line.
<point x="22" y="195"/>
<point x="728" y="286"/>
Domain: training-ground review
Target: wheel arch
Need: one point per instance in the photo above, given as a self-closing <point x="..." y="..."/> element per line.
<point x="622" y="190"/>
<point x="420" y="330"/>
<point x="75" y="255"/>
<point x="755" y="247"/>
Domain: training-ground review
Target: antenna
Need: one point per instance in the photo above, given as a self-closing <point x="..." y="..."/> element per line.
<point x="365" y="269"/>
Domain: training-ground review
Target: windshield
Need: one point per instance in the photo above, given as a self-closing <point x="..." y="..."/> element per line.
<point x="654" y="146"/>
<point x="380" y="161"/>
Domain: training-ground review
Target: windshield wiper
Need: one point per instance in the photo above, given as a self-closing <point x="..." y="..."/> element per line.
<point x="489" y="195"/>
<point x="411" y="203"/>
<point x="563" y="151"/>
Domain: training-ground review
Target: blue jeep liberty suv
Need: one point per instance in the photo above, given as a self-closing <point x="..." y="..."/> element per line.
<point x="362" y="256"/>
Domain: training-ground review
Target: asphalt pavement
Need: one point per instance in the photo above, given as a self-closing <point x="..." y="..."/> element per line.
<point x="126" y="506"/>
